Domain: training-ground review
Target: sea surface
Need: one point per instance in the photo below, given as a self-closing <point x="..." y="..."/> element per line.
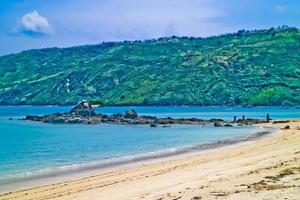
<point x="31" y="150"/>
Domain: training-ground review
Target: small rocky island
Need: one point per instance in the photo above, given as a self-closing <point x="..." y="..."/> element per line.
<point x="83" y="113"/>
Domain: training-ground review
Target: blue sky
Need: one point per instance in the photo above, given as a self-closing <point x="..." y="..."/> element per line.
<point x="27" y="24"/>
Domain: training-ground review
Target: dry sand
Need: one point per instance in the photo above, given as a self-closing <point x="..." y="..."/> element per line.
<point x="268" y="168"/>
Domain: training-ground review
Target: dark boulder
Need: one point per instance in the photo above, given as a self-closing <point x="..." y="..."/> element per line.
<point x="131" y="114"/>
<point x="216" y="120"/>
<point x="153" y="125"/>
<point x="217" y="124"/>
<point x="286" y="127"/>
<point x="281" y="121"/>
<point x="34" y="118"/>
<point x="83" y="108"/>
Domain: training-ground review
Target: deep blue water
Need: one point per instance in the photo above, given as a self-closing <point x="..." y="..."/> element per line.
<point x="226" y="113"/>
<point x="28" y="148"/>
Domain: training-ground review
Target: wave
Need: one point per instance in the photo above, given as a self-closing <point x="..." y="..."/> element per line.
<point x="130" y="159"/>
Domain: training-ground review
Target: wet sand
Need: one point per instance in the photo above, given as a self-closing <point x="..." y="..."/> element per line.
<point x="268" y="168"/>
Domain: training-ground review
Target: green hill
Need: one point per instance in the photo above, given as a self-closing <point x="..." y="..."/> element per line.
<point x="244" y="68"/>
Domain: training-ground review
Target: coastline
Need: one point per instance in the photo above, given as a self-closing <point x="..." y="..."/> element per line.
<point x="184" y="161"/>
<point x="75" y="171"/>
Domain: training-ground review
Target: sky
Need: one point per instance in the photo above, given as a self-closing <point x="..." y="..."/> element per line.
<point x="30" y="24"/>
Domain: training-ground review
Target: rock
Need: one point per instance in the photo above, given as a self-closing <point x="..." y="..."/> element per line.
<point x="95" y="120"/>
<point x="153" y="125"/>
<point x="131" y="114"/>
<point x="83" y="113"/>
<point x="286" y="127"/>
<point x="281" y="121"/>
<point x="196" y="198"/>
<point x="217" y="124"/>
<point x="117" y="115"/>
<point x="57" y="120"/>
<point x="83" y="108"/>
<point x="10" y="118"/>
<point x="34" y="118"/>
<point x="216" y="120"/>
<point x="250" y="121"/>
<point x="240" y="121"/>
<point x="228" y="125"/>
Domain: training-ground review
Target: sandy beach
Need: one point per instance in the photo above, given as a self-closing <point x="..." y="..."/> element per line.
<point x="268" y="168"/>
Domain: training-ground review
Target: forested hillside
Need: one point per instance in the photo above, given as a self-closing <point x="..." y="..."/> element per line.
<point x="244" y="68"/>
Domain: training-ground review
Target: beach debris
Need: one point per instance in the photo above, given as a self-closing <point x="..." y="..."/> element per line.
<point x="276" y="182"/>
<point x="219" y="193"/>
<point x="281" y="121"/>
<point x="286" y="127"/>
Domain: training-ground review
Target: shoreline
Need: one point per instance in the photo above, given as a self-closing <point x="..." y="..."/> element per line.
<point x="263" y="169"/>
<point x="67" y="173"/>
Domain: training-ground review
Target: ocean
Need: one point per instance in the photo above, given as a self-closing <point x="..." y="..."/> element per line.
<point x="34" y="150"/>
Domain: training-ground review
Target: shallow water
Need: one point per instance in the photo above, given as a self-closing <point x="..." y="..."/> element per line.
<point x="29" y="149"/>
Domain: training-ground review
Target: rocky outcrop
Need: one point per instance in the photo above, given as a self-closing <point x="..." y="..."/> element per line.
<point x="131" y="114"/>
<point x="250" y="121"/>
<point x="83" y="108"/>
<point x="83" y="113"/>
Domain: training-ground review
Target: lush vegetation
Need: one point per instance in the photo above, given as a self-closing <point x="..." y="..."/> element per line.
<point x="244" y="68"/>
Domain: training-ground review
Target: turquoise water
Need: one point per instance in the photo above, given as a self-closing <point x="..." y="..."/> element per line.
<point x="31" y="149"/>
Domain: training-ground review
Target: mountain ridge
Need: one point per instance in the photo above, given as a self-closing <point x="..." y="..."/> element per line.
<point x="244" y="68"/>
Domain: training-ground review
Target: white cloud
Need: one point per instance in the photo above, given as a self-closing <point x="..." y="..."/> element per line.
<point x="33" y="23"/>
<point x="279" y="9"/>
